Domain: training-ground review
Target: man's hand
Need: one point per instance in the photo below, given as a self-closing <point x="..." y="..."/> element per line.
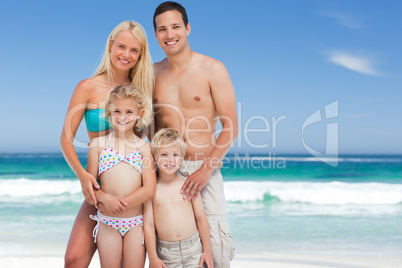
<point x="195" y="182"/>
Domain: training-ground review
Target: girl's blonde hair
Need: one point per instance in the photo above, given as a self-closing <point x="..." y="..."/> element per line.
<point x="128" y="91"/>
<point x="142" y="74"/>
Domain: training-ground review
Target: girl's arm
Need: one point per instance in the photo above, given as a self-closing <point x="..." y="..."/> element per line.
<point x="150" y="236"/>
<point x="203" y="229"/>
<point x="147" y="191"/>
<point x="75" y="112"/>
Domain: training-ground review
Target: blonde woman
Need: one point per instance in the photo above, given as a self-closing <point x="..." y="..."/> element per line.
<point x="126" y="61"/>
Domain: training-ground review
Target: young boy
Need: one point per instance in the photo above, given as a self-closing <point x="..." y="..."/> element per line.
<point x="181" y="224"/>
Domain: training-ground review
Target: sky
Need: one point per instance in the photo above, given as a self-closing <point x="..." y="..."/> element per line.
<point x="311" y="77"/>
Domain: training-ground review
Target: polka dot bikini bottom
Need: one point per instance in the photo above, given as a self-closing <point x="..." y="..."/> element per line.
<point x="122" y="225"/>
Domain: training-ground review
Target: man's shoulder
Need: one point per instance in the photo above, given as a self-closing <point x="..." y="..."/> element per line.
<point x="208" y="63"/>
<point x="159" y="66"/>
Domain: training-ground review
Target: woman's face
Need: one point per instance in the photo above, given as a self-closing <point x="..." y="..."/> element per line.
<point x="125" y="51"/>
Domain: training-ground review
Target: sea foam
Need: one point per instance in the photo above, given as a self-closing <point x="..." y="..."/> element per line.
<point x="329" y="193"/>
<point x="25" y="190"/>
<point x="317" y="193"/>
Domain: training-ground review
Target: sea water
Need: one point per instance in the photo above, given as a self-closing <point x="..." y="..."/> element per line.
<point x="293" y="204"/>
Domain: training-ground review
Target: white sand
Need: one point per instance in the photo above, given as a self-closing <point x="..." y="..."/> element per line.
<point x="240" y="261"/>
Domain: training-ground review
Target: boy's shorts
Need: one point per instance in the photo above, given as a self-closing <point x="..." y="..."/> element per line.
<point x="180" y="254"/>
<point x="214" y="201"/>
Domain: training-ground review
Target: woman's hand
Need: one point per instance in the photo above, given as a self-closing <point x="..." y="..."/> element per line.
<point x="88" y="183"/>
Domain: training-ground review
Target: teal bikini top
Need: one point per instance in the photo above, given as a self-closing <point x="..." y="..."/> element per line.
<point x="96" y="121"/>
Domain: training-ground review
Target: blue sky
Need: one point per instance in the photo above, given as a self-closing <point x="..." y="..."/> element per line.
<point x="287" y="60"/>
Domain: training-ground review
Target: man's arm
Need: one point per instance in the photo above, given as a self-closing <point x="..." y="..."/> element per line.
<point x="225" y="104"/>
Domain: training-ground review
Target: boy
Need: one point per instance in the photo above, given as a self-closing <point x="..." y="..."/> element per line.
<point x="181" y="224"/>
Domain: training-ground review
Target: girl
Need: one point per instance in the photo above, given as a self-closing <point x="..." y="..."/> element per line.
<point x="122" y="160"/>
<point x="126" y="61"/>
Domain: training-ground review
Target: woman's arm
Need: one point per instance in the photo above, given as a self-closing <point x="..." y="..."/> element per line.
<point x="203" y="229"/>
<point x="75" y="112"/>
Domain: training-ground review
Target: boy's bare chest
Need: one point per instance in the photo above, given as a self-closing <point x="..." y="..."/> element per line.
<point x="169" y="195"/>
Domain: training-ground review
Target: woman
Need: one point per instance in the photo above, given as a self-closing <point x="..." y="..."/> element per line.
<point x="126" y="61"/>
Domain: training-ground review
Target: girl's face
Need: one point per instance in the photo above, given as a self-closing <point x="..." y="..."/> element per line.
<point x="124" y="113"/>
<point x="125" y="51"/>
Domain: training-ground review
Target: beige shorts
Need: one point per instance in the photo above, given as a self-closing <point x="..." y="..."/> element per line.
<point x="214" y="201"/>
<point x="180" y="254"/>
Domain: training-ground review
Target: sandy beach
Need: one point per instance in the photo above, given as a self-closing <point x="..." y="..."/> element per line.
<point x="240" y="261"/>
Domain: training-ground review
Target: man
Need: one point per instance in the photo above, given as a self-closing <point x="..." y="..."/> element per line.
<point x="192" y="92"/>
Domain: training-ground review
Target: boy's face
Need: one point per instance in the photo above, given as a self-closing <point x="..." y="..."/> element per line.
<point x="168" y="159"/>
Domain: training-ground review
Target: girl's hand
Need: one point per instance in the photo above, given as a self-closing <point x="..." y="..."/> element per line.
<point x="111" y="205"/>
<point x="88" y="183"/>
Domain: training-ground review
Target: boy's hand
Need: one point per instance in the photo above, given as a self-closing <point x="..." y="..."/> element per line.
<point x="156" y="263"/>
<point x="207" y="258"/>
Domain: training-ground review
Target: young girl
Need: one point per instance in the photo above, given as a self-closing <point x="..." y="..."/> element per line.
<point x="122" y="160"/>
<point x="126" y="61"/>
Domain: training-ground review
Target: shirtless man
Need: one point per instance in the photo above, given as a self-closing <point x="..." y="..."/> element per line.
<point x="192" y="92"/>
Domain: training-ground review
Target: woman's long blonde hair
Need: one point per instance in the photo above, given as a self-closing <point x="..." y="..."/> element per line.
<point x="142" y="74"/>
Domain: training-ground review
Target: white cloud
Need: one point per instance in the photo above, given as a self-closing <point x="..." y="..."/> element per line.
<point x="359" y="64"/>
<point x="344" y="18"/>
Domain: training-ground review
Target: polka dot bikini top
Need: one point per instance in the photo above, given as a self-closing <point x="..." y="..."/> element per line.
<point x="109" y="158"/>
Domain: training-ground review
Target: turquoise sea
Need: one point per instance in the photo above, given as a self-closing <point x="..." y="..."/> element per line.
<point x="292" y="204"/>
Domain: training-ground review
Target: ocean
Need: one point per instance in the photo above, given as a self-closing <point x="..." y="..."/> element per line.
<point x="292" y="204"/>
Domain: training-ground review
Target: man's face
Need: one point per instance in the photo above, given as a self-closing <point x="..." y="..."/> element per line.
<point x="171" y="32"/>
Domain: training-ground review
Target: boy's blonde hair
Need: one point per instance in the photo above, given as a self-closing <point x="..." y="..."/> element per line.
<point x="168" y="137"/>
<point x="142" y="74"/>
<point x="127" y="91"/>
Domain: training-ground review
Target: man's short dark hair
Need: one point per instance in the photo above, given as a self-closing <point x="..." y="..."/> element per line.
<point x="168" y="6"/>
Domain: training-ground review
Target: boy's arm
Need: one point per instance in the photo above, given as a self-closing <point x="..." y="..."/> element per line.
<point x="224" y="98"/>
<point x="203" y="229"/>
<point x="150" y="236"/>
